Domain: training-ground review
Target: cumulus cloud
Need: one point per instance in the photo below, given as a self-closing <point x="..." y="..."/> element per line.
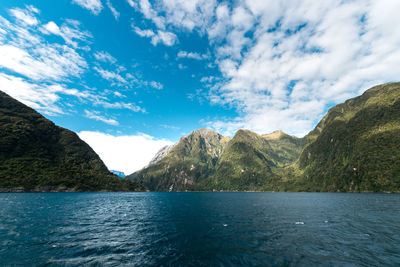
<point x="302" y="58"/>
<point x="128" y="153"/>
<point x="93" y="6"/>
<point x="282" y="63"/>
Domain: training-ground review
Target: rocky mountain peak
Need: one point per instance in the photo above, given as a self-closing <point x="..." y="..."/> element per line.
<point x="274" y="135"/>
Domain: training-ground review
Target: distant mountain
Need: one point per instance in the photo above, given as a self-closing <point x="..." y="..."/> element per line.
<point x="286" y="148"/>
<point x="355" y="147"/>
<point x="246" y="163"/>
<point x="118" y="173"/>
<point x="206" y="160"/>
<point x="189" y="162"/>
<point x="37" y="155"/>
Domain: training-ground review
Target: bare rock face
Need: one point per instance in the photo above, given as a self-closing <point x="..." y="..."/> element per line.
<point x="162" y="153"/>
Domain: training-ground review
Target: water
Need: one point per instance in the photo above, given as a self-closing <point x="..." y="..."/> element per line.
<point x="289" y="229"/>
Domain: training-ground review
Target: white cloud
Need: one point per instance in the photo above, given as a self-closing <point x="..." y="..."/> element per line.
<point x="95" y="115"/>
<point x="114" y="77"/>
<point x="131" y="3"/>
<point x="127" y="153"/>
<point x="69" y="31"/>
<point x="94" y="6"/>
<point x="41" y="98"/>
<point x="301" y="57"/>
<point x="53" y="62"/>
<point x="151" y="14"/>
<point x="120" y="105"/>
<point x="167" y="38"/>
<point x="113" y="10"/>
<point x="195" y="14"/>
<point x="192" y="55"/>
<point x="156" y="85"/>
<point x="44" y="66"/>
<point x="25" y="17"/>
<point x="105" y="57"/>
<point x="51" y="27"/>
<point x="283" y="62"/>
<point x="143" y="33"/>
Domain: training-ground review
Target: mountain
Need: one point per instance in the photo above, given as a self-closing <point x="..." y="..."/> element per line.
<point x="246" y="163"/>
<point x="187" y="163"/>
<point x="205" y="160"/>
<point x="37" y="155"/>
<point x="286" y="148"/>
<point x="118" y="173"/>
<point x="356" y="146"/>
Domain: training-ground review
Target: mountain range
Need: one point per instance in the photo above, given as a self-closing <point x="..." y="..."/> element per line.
<point x="354" y="148"/>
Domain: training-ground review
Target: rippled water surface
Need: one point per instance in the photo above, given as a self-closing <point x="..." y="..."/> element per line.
<point x="292" y="229"/>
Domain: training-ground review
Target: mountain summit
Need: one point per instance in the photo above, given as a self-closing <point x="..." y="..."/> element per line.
<point x="186" y="164"/>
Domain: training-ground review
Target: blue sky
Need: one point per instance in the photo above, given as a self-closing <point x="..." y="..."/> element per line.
<point x="131" y="76"/>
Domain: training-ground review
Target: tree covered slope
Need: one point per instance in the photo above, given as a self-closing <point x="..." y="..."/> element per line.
<point x="35" y="154"/>
<point x="356" y="146"/>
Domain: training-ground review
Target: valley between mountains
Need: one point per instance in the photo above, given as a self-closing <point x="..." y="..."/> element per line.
<point x="354" y="148"/>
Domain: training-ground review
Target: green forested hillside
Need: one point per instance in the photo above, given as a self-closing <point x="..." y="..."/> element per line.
<point x="246" y="164"/>
<point x="35" y="154"/>
<point x="356" y="146"/>
<point x="189" y="162"/>
<point x="205" y="160"/>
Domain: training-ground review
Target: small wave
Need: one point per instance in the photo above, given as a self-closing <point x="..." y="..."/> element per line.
<point x="225" y="225"/>
<point x="299" y="223"/>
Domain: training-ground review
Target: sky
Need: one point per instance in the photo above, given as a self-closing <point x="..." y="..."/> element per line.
<point x="131" y="76"/>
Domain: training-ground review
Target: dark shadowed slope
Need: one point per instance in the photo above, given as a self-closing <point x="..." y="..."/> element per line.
<point x="35" y="154"/>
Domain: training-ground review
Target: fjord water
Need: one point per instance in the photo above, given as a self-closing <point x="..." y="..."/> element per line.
<point x="200" y="229"/>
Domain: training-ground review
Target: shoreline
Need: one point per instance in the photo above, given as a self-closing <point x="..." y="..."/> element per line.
<point x="70" y="190"/>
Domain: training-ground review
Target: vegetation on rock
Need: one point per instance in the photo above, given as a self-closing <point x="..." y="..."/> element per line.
<point x="355" y="147"/>
<point x="35" y="154"/>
